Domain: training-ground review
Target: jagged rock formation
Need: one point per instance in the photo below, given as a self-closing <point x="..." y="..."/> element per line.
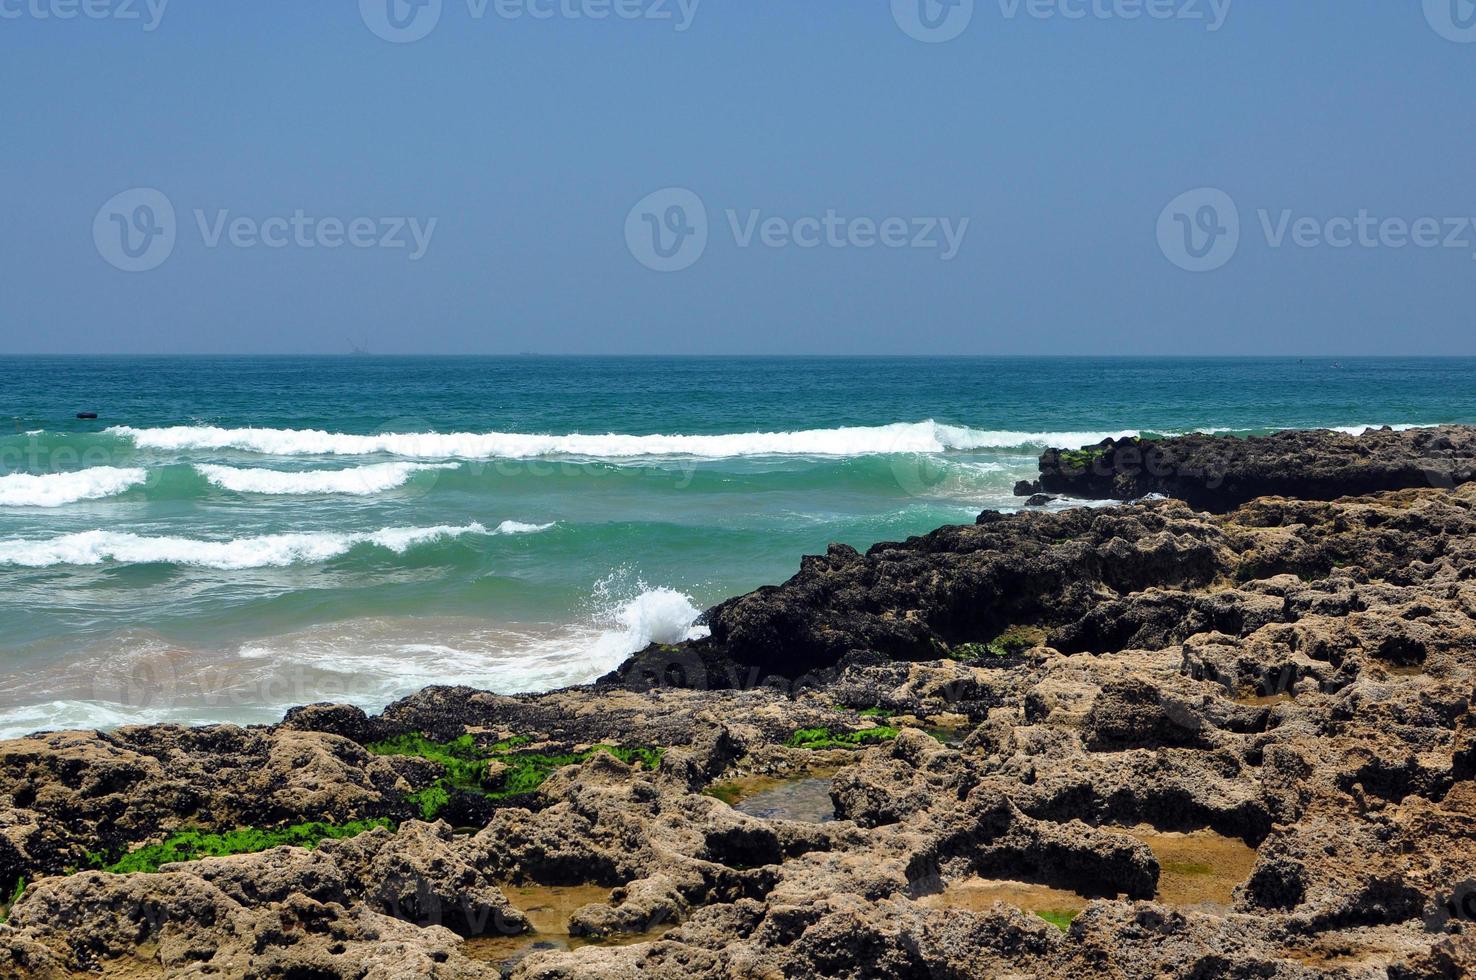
<point x="1061" y="693"/>
<point x="1218" y="473"/>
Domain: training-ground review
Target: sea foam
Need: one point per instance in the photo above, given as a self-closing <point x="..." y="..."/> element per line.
<point x="65" y="715"/>
<point x="372" y="662"/>
<point x="59" y="489"/>
<point x="899" y="437"/>
<point x="265" y="551"/>
<point x="360" y="481"/>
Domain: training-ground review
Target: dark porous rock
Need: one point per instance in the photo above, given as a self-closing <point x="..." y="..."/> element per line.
<point x="1134" y="712"/>
<point x="1039" y="500"/>
<point x="420" y="874"/>
<point x="915" y="600"/>
<point x="334" y="719"/>
<point x="1235" y="746"/>
<point x="1219" y="473"/>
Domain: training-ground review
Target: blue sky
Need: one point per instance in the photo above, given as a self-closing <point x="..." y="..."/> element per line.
<point x="1050" y="144"/>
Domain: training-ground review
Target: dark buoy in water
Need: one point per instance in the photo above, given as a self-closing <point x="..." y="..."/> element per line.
<point x="86" y="415"/>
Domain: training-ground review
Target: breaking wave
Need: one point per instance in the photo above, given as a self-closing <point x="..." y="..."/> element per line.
<point x="899" y="437"/>
<point x="265" y="551"/>
<point x="59" y="489"/>
<point x="360" y="481"/>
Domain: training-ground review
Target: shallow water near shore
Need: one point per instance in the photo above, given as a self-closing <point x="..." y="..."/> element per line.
<point x="234" y="536"/>
<point x="1199" y="869"/>
<point x="1265" y="700"/>
<point x="548" y="909"/>
<point x="802" y="795"/>
<point x="806" y="800"/>
<point x="980" y="895"/>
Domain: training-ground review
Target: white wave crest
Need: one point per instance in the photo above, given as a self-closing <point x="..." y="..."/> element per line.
<point x="373" y="662"/>
<point x="518" y="527"/>
<point x="656" y="616"/>
<point x="59" y="489"/>
<point x="360" y="481"/>
<point x="266" y="551"/>
<point x="137" y="677"/>
<point x="67" y="715"/>
<point x="1352" y="430"/>
<point x="899" y="437"/>
<point x="1358" y="430"/>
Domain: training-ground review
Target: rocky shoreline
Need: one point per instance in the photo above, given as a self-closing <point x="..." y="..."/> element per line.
<point x="1228" y="735"/>
<point x="1219" y="473"/>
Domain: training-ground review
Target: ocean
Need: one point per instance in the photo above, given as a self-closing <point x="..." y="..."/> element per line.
<point x="236" y="535"/>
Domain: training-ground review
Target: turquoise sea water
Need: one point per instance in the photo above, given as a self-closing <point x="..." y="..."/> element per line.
<point x="236" y="535"/>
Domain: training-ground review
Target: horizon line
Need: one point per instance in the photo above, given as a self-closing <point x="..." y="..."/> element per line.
<point x="351" y="356"/>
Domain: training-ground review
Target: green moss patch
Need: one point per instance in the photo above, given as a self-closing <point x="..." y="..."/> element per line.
<point x="468" y="767"/>
<point x="1012" y="642"/>
<point x="191" y="845"/>
<point x="527" y="771"/>
<point x="1080" y="459"/>
<point x="465" y="765"/>
<point x="15" y="894"/>
<point x="824" y="738"/>
<point x="1060" y="918"/>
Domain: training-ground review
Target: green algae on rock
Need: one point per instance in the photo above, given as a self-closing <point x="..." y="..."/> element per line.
<point x="498" y="772"/>
<point x="1011" y="643"/>
<point x="15" y="894"/>
<point x="1060" y="918"/>
<point x="825" y="738"/>
<point x="191" y="845"/>
<point x="1116" y="773"/>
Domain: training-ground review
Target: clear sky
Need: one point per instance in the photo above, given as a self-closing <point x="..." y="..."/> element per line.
<point x="805" y="133"/>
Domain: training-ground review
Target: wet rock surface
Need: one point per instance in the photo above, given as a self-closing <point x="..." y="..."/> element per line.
<point x="1222" y="472"/>
<point x="1197" y="745"/>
